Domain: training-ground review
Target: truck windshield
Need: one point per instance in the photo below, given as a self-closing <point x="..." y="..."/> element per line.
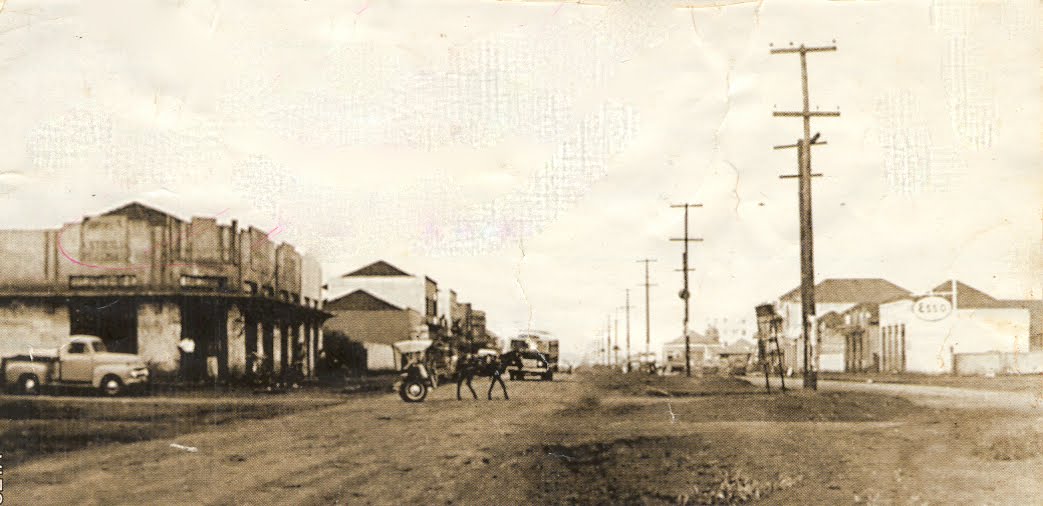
<point x="99" y="347"/>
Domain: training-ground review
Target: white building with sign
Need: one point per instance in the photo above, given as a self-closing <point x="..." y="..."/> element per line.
<point x="929" y="333"/>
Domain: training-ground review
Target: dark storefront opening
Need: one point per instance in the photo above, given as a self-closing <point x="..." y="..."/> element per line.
<point x="114" y="320"/>
<point x="204" y="321"/>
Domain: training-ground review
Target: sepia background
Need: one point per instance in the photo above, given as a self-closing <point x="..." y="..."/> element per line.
<point x="526" y="153"/>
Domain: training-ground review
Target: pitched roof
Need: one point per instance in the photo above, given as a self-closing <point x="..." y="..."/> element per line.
<point x="831" y="319"/>
<point x="872" y="309"/>
<point x="378" y="268"/>
<point x="139" y="211"/>
<point x="967" y="296"/>
<point x="695" y="338"/>
<point x="360" y="300"/>
<point x="851" y="290"/>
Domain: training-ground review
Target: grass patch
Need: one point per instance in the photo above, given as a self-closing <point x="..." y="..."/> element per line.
<point x="1011" y="383"/>
<point x="637" y="384"/>
<point x="737" y="487"/>
<point x="1011" y="446"/>
<point x="643" y="470"/>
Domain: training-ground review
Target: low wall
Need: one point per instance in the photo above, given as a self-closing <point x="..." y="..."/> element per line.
<point x="977" y="364"/>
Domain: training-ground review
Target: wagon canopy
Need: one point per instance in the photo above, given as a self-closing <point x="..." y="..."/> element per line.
<point x="413" y="346"/>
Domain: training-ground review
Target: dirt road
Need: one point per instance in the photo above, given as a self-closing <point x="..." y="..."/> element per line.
<point x="375" y="450"/>
<point x="573" y="441"/>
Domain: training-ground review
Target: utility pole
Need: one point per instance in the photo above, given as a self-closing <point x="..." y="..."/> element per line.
<point x="608" y="340"/>
<point x="685" y="294"/>
<point x="628" y="330"/>
<point x="615" y="347"/>
<point x="807" y="264"/>
<point x="648" y="318"/>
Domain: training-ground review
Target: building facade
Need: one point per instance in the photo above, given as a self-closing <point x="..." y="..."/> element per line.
<point x="930" y="332"/>
<point x="704" y="351"/>
<point x="393" y="285"/>
<point x="831" y="295"/>
<point x="734" y="328"/>
<point x="862" y="345"/>
<point x="377" y="324"/>
<point x="144" y="281"/>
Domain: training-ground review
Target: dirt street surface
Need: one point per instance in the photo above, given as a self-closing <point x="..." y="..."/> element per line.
<point x="586" y="439"/>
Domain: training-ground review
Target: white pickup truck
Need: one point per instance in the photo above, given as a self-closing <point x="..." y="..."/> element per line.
<point x="82" y="362"/>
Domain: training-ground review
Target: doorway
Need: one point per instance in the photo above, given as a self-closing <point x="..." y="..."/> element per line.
<point x="204" y="320"/>
<point x="113" y="319"/>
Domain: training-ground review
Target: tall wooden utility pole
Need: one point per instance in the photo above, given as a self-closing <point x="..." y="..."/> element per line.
<point x="685" y="294"/>
<point x="807" y="263"/>
<point x="648" y="318"/>
<point x="608" y="340"/>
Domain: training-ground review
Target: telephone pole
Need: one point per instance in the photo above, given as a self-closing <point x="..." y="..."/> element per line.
<point x="685" y="294"/>
<point x="648" y="318"/>
<point x="608" y="340"/>
<point x="615" y="347"/>
<point x="628" y="330"/>
<point x="804" y="175"/>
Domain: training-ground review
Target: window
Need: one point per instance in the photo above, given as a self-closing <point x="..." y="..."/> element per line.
<point x="77" y="347"/>
<point x="99" y="347"/>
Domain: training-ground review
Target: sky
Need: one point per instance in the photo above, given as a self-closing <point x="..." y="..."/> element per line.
<point x="526" y="154"/>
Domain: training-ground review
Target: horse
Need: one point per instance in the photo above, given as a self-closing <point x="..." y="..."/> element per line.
<point x="470" y="366"/>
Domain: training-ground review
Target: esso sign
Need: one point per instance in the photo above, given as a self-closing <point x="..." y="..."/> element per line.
<point x="932" y="308"/>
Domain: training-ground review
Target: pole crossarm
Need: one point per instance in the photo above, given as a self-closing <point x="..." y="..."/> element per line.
<point x="803" y="49"/>
<point x="805" y="114"/>
<point x="797" y="176"/>
<point x="790" y="146"/>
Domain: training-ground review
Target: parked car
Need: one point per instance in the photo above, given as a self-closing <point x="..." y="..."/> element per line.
<point x="83" y="362"/>
<point x="534" y="363"/>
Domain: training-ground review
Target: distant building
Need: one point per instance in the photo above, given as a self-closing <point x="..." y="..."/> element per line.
<point x="143" y="280"/>
<point x="862" y="348"/>
<point x="442" y="316"/>
<point x="389" y="283"/>
<point x="734" y="328"/>
<point x="831" y="295"/>
<point x="704" y="351"/>
<point x="376" y="323"/>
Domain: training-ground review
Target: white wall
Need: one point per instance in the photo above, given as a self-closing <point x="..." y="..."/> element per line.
<point x="380" y="357"/>
<point x="311" y="278"/>
<point x="831" y="362"/>
<point x="929" y="345"/>
<point x="402" y="291"/>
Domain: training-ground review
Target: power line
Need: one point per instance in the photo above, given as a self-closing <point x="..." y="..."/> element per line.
<point x="807" y="264"/>
<point x="685" y="294"/>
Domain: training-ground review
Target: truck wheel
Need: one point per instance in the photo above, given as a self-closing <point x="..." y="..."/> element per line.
<point x="412" y="391"/>
<point x="111" y="386"/>
<point x="29" y="384"/>
<point x="549" y="376"/>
